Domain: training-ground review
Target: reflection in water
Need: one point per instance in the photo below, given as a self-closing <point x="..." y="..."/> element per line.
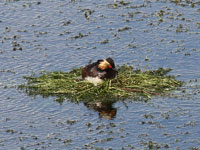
<point x="105" y="108"/>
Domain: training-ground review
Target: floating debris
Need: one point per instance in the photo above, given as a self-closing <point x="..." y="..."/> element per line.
<point x="80" y="35"/>
<point x="124" y="29"/>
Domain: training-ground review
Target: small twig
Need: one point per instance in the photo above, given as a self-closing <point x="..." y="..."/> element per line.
<point x="138" y="90"/>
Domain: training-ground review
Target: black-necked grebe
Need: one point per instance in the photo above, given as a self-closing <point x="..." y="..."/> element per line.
<point x="102" y="69"/>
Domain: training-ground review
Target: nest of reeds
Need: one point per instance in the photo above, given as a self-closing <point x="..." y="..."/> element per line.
<point x="129" y="84"/>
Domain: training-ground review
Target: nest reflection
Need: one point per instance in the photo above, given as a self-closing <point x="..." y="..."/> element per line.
<point x="104" y="108"/>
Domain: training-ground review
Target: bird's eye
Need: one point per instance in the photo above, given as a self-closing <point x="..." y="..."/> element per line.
<point x="109" y="66"/>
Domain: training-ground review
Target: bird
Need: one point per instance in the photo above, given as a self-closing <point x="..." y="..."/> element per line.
<point x="100" y="70"/>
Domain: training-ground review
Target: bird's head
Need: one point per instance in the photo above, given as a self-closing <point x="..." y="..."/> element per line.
<point x="106" y="64"/>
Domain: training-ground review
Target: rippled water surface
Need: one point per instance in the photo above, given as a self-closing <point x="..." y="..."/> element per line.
<point x="56" y="35"/>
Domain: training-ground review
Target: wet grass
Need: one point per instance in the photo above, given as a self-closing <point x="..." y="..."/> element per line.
<point x="129" y="84"/>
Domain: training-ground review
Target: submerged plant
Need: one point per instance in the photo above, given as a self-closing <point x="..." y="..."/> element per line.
<point x="129" y="84"/>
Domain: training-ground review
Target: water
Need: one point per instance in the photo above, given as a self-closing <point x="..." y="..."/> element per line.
<point x="56" y="35"/>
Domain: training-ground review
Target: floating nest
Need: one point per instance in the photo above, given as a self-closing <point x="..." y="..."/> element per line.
<point x="129" y="84"/>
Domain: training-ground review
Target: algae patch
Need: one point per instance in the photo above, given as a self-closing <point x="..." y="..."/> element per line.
<point x="129" y="84"/>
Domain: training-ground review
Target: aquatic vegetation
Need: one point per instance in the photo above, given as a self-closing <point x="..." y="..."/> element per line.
<point x="129" y="84"/>
<point x="124" y="29"/>
<point x="80" y="35"/>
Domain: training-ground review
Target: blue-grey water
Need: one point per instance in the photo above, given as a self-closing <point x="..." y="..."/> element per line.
<point x="56" y="35"/>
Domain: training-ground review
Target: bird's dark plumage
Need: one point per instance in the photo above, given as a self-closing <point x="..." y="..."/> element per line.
<point x="103" y="69"/>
